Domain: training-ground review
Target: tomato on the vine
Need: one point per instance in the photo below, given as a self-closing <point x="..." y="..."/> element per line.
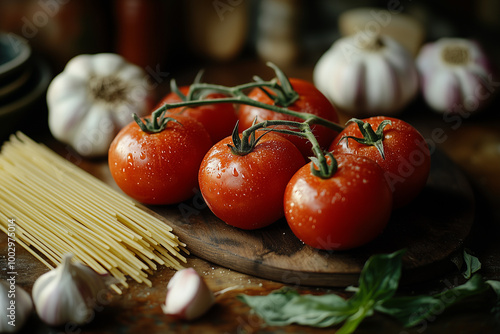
<point x="219" y="118"/>
<point x="344" y="211"/>
<point x="161" y="167"/>
<point x="397" y="147"/>
<point x="310" y="101"/>
<point x="246" y="191"/>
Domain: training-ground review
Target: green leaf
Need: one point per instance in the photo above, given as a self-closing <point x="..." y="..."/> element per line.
<point x="286" y="306"/>
<point x="472" y="264"/>
<point x="380" y="276"/>
<point x="495" y="285"/>
<point x="410" y="311"/>
<point x="472" y="287"/>
<point x="354" y="320"/>
<point x="378" y="282"/>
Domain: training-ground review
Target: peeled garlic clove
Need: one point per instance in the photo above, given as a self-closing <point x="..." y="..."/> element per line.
<point x="456" y="75"/>
<point x="17" y="305"/>
<point x="67" y="294"/>
<point x="365" y="75"/>
<point x="188" y="296"/>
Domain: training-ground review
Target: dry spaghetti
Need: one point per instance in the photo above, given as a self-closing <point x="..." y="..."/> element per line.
<point x="59" y="208"/>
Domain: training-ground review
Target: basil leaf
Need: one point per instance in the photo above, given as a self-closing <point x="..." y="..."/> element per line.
<point x="287" y="306"/>
<point x="495" y="285"/>
<point x="378" y="282"/>
<point x="410" y="311"/>
<point x="472" y="264"/>
<point x="354" y="320"/>
<point x="475" y="285"/>
<point x="379" y="278"/>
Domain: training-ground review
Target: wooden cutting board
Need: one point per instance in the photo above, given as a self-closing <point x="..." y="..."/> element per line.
<point x="432" y="229"/>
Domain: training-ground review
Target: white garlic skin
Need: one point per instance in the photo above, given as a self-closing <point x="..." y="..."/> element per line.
<point x="17" y="306"/>
<point x="456" y="75"/>
<point x="367" y="75"/>
<point x="67" y="294"/>
<point x="188" y="296"/>
<point x="93" y="98"/>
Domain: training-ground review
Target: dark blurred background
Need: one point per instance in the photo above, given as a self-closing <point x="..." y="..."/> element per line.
<point x="171" y="36"/>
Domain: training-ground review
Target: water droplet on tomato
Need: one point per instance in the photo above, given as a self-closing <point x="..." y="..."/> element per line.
<point x="235" y="172"/>
<point x="142" y="156"/>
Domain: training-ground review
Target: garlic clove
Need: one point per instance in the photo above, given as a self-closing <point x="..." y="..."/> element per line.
<point x="17" y="305"/>
<point x="188" y="296"/>
<point x="67" y="294"/>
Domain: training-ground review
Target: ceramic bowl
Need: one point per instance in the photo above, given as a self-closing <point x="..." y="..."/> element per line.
<point x="24" y="79"/>
<point x="15" y="54"/>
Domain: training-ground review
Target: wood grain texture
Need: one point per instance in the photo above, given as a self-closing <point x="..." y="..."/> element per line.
<point x="432" y="229"/>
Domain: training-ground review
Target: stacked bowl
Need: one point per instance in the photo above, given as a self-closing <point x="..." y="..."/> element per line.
<point x="24" y="79"/>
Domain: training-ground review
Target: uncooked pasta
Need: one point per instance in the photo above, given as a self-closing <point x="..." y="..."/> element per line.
<point x="58" y="208"/>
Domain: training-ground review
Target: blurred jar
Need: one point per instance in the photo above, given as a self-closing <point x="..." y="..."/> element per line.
<point x="278" y="28"/>
<point x="143" y="30"/>
<point x="216" y="29"/>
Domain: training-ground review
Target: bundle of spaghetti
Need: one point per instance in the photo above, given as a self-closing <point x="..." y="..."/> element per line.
<point x="58" y="208"/>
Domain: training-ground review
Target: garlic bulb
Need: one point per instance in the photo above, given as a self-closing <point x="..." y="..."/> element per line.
<point x="93" y="98"/>
<point x="456" y="75"/>
<point x="188" y="296"/>
<point x="365" y="75"/>
<point x="67" y="294"/>
<point x="17" y="305"/>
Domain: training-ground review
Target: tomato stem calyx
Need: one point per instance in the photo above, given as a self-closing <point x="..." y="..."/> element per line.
<point x="284" y="94"/>
<point x="155" y="123"/>
<point x="244" y="145"/>
<point x="370" y="137"/>
<point x="320" y="166"/>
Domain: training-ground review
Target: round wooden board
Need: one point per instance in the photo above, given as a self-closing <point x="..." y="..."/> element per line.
<point x="432" y="229"/>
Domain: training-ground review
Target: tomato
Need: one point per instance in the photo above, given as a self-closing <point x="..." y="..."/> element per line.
<point x="162" y="167"/>
<point x="219" y="118"/>
<point x="407" y="158"/>
<point x="310" y="100"/>
<point x="345" y="211"/>
<point x="246" y="191"/>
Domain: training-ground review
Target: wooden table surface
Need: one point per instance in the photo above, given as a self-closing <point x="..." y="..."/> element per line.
<point x="473" y="143"/>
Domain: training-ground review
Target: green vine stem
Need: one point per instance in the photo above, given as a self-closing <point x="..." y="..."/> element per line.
<point x="237" y="97"/>
<point x="320" y="166"/>
<point x="283" y="97"/>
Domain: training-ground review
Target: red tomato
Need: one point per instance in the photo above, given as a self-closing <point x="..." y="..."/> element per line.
<point x="219" y="119"/>
<point x="311" y="101"/>
<point x="342" y="212"/>
<point x="407" y="158"/>
<point x="246" y="191"/>
<point x="159" y="168"/>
